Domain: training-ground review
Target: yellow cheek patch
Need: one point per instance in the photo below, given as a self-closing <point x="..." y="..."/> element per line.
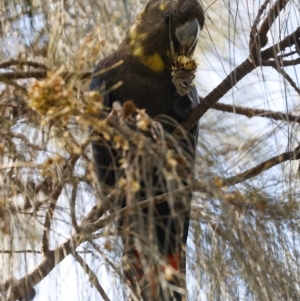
<point x="154" y="62"/>
<point x="137" y="41"/>
<point x="162" y="7"/>
<point x="138" y="52"/>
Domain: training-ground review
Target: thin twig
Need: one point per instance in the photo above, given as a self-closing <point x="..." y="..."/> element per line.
<point x="72" y="206"/>
<point x="195" y="186"/>
<point x="253" y="172"/>
<point x="19" y="251"/>
<point x="42" y="74"/>
<point x="281" y="63"/>
<point x="287" y="54"/>
<point x="234" y="77"/>
<point x="253" y="31"/>
<point x="54" y="197"/>
<point x="260" y="39"/>
<point x="116" y="269"/>
<point x="18" y="164"/>
<point x="288" y="79"/>
<point x="119" y="63"/>
<point x="55" y="257"/>
<point x="48" y="218"/>
<point x="101" y="208"/>
<point x="273" y="13"/>
<point x="12" y="62"/>
<point x="24" y="140"/>
<point x="43" y="268"/>
<point x="212" y="98"/>
<point x="92" y="276"/>
<point x="52" y="206"/>
<point x="13" y="84"/>
<point x="288" y="41"/>
<point x="250" y="112"/>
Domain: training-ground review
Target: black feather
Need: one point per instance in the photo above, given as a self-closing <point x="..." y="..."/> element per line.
<point x="155" y="92"/>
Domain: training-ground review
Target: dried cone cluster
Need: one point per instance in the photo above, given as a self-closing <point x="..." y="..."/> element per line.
<point x="184" y="63"/>
<point x="51" y="97"/>
<point x="183" y="74"/>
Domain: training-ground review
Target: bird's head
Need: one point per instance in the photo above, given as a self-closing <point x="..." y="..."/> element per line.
<point x="164" y="29"/>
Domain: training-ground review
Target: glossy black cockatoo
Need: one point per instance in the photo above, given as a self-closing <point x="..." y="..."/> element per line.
<point x="162" y="31"/>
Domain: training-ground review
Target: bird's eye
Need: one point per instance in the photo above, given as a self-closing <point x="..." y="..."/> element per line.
<point x="167" y="17"/>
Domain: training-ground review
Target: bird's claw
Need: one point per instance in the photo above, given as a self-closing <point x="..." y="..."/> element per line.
<point x="183" y="81"/>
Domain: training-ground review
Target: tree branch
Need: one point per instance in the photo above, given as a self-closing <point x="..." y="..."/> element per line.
<point x="273" y="13"/>
<point x="253" y="31"/>
<point x="289" y="41"/>
<point x="253" y="172"/>
<point x="280" y="63"/>
<point x="249" y="112"/>
<point x="43" y="268"/>
<point x="243" y="69"/>
<point x="73" y="205"/>
<point x="261" y="39"/>
<point x="212" y="98"/>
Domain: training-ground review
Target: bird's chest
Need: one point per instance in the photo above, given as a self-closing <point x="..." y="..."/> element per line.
<point x="153" y="93"/>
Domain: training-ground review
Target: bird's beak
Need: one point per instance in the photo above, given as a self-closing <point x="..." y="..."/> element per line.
<point x="187" y="36"/>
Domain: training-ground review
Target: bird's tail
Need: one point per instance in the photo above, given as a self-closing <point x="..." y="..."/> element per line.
<point x="164" y="281"/>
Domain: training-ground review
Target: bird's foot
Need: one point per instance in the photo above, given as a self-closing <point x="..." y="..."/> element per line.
<point x="183" y="81"/>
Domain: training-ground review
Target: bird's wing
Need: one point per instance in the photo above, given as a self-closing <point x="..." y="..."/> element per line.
<point x="194" y="98"/>
<point x="104" y="155"/>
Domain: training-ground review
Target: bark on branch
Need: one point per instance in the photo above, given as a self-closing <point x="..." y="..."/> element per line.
<point x="249" y="112"/>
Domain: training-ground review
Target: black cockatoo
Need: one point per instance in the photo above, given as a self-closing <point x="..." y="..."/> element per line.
<point x="162" y="31"/>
